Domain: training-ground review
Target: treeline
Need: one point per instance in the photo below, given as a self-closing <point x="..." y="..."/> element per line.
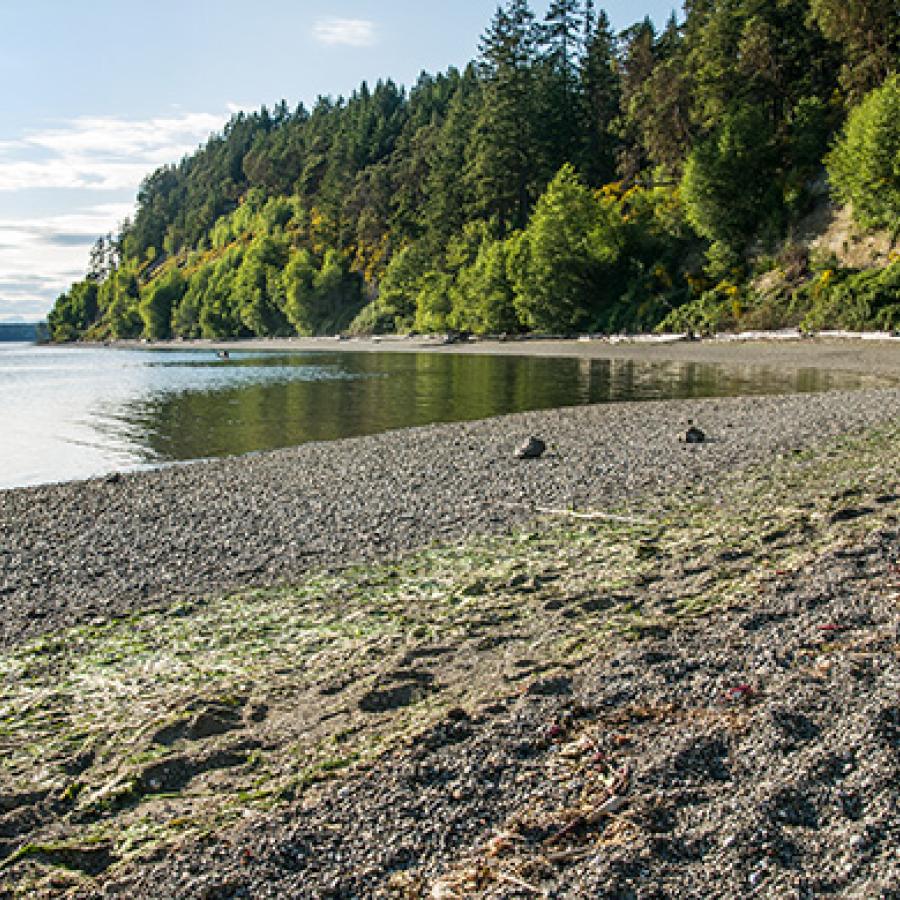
<point x="568" y="179"/>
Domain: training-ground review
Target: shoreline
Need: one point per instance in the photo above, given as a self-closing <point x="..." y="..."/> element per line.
<point x="411" y="665"/>
<point x="874" y="355"/>
<point x="79" y="551"/>
<point x="689" y="691"/>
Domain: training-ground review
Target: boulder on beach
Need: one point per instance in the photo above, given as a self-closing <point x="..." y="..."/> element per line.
<point x="533" y="448"/>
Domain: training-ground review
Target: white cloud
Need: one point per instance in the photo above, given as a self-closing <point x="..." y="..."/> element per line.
<point x="41" y="256"/>
<point x="79" y="158"/>
<point x="346" y="32"/>
<point x="101" y="153"/>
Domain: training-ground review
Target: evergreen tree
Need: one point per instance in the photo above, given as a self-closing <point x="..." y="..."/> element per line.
<point x="558" y="87"/>
<point x="599" y="97"/>
<point x="636" y="63"/>
<point x="448" y="196"/>
<point x="503" y="147"/>
<point x="868" y="32"/>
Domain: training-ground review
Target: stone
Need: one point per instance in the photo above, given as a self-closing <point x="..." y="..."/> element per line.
<point x="533" y="448"/>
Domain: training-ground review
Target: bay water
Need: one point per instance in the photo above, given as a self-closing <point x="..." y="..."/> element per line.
<point x="79" y="412"/>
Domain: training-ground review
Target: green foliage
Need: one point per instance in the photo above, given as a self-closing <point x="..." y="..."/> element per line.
<point x="396" y="302"/>
<point x="557" y="263"/>
<point x="853" y="300"/>
<point x="730" y="183"/>
<point x="484" y="300"/>
<point x="456" y="204"/>
<point x="74" y="311"/>
<point x="160" y="298"/>
<point x="504" y="145"/>
<point x="864" y="165"/>
<point x="868" y="32"/>
<point x="433" y="306"/>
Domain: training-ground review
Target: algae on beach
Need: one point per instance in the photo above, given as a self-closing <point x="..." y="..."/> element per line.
<point x="119" y="738"/>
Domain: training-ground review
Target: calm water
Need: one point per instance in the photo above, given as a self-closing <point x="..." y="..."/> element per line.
<point x="75" y="413"/>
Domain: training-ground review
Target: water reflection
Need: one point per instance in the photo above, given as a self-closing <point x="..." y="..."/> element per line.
<point x="371" y="393"/>
<point x="74" y="413"/>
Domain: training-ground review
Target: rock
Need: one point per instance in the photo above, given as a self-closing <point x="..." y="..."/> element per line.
<point x="475" y="588"/>
<point x="550" y="687"/>
<point x="533" y="448"/>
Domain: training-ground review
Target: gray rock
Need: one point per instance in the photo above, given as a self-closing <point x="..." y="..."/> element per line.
<point x="533" y="448"/>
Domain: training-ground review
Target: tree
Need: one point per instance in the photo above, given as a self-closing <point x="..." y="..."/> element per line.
<point x="658" y="101"/>
<point x="554" y="271"/>
<point x="448" y="196"/>
<point x="558" y="87"/>
<point x="74" y="311"/>
<point x="433" y="303"/>
<point x="864" y="165"/>
<point x="869" y="34"/>
<point x="599" y="98"/>
<point x="298" y="282"/>
<point x="258" y="285"/>
<point x="160" y="298"/>
<point x="483" y="297"/>
<point x="636" y="61"/>
<point x="501" y="164"/>
<point x="730" y="185"/>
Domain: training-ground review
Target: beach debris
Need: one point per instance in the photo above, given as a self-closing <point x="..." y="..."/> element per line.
<point x="739" y="692"/>
<point x="113" y="478"/>
<point x="533" y="448"/>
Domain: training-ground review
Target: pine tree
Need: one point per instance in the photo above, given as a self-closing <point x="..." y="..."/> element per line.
<point x="502" y="153"/>
<point x="558" y="86"/>
<point x="449" y="200"/>
<point x="869" y="34"/>
<point x="599" y="98"/>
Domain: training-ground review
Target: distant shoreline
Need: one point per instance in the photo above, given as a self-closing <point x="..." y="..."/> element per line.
<point x="876" y="354"/>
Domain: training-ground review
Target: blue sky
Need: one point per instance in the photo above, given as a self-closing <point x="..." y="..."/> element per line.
<point x="96" y="94"/>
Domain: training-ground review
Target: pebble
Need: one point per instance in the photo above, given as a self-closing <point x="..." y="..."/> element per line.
<point x="188" y="530"/>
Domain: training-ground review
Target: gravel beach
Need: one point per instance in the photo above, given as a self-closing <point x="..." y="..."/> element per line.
<point x="77" y="551"/>
<point x="414" y="666"/>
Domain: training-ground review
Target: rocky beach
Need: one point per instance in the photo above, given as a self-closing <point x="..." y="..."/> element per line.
<point x="413" y="665"/>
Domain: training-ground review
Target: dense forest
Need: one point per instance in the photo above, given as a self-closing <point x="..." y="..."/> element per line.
<point x="569" y="179"/>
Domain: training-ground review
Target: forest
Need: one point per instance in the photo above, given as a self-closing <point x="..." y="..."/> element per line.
<point x="567" y="180"/>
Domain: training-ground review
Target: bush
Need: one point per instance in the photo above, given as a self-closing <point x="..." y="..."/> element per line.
<point x="853" y="300"/>
<point x="864" y="165"/>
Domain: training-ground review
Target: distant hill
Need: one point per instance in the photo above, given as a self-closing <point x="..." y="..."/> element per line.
<point x="569" y="179"/>
<point x="23" y="331"/>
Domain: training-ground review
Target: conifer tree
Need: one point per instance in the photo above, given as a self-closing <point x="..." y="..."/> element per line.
<point x="599" y="99"/>
<point x="503" y="147"/>
<point x="558" y="86"/>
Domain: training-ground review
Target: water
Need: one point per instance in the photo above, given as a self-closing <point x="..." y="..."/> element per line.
<point x="70" y="413"/>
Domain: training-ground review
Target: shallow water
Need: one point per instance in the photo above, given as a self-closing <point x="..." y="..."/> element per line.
<point x="70" y="413"/>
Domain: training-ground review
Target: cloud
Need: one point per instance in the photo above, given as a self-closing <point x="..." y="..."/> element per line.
<point x="77" y="161"/>
<point x="101" y="152"/>
<point x="71" y="240"/>
<point x="41" y="256"/>
<point x="345" y="32"/>
<point x="27" y="310"/>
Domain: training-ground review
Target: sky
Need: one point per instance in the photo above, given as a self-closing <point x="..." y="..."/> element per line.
<point x="95" y="95"/>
